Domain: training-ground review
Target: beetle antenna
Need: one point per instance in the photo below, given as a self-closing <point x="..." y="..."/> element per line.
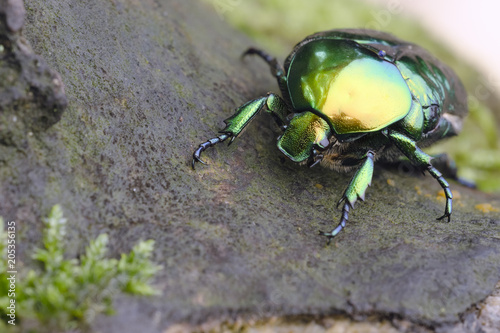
<point x="315" y="159"/>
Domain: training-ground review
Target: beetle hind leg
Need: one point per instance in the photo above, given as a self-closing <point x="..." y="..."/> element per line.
<point x="447" y="166"/>
<point x="277" y="69"/>
<point x="356" y="189"/>
<point x="409" y="148"/>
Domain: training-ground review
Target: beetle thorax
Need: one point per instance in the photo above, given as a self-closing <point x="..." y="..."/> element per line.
<point x="364" y="96"/>
<point x="349" y="84"/>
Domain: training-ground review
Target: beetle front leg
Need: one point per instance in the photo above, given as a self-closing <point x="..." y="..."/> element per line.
<point x="409" y="147"/>
<point x="356" y="189"/>
<point x="242" y="117"/>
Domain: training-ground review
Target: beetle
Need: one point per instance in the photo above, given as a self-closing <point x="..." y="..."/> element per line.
<point x="352" y="97"/>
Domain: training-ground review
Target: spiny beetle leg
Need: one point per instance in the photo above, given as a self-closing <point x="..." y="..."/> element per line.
<point x="203" y="146"/>
<point x="409" y="147"/>
<point x="356" y="189"/>
<point x="446" y="187"/>
<point x="242" y="117"/>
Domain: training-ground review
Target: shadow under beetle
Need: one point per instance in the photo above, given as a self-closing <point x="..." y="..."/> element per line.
<point x="351" y="97"/>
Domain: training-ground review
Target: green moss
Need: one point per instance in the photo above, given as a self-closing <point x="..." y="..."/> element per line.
<point x="68" y="293"/>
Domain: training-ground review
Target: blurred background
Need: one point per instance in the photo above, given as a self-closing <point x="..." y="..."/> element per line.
<point x="464" y="34"/>
<point x="468" y="28"/>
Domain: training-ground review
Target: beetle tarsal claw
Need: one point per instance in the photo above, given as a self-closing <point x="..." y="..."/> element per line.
<point x="203" y="146"/>
<point x="445" y="215"/>
<point x="343" y="219"/>
<point x="197" y="158"/>
<point x="328" y="235"/>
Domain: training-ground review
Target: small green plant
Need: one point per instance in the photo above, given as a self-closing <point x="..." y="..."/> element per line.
<point x="66" y="294"/>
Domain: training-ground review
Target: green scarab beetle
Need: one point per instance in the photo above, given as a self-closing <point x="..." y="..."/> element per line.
<point x="351" y="97"/>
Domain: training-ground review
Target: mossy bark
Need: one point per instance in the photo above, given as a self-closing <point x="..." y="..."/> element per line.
<point x="146" y="82"/>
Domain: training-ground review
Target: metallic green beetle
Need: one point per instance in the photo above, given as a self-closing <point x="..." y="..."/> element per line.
<point x="350" y="97"/>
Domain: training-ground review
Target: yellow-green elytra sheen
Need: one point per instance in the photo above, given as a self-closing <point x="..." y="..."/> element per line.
<point x="350" y="97"/>
<point x="353" y="96"/>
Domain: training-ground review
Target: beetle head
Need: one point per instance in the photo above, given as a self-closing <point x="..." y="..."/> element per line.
<point x="304" y="137"/>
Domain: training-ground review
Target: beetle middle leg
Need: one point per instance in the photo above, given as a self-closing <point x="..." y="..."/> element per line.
<point x="356" y="189"/>
<point x="242" y="117"/>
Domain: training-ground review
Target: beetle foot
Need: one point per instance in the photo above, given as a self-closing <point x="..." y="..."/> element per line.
<point x="203" y="146"/>
<point x="340" y="226"/>
<point x="331" y="234"/>
<point x="447" y="192"/>
<point x="328" y="235"/>
<point x="197" y="158"/>
<point x="448" y="215"/>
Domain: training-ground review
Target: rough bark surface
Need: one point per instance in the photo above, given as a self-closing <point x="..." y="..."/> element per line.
<point x="31" y="94"/>
<point x="146" y="82"/>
